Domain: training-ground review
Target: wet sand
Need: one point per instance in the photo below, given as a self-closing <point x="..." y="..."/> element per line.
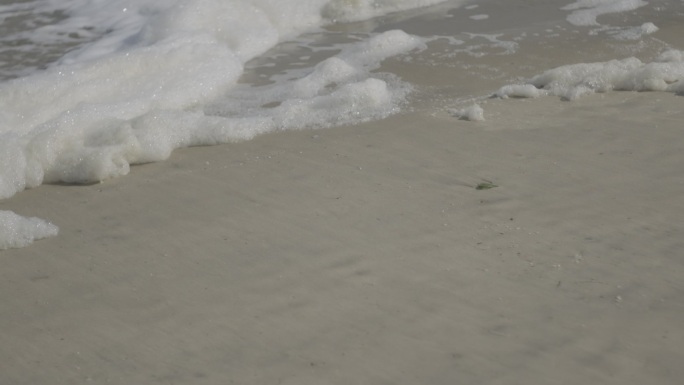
<point x="367" y="254"/>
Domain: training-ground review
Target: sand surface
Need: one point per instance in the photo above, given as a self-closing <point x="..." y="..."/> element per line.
<point x="366" y="255"/>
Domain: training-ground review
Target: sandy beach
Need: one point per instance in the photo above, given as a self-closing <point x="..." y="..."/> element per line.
<point x="366" y="254"/>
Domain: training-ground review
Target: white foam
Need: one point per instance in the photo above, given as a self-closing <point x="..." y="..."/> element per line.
<point x="17" y="231"/>
<point x="353" y="10"/>
<point x="473" y="113"/>
<point x="665" y="73"/>
<point x="635" y="33"/>
<point x="157" y="75"/>
<point x="519" y="91"/>
<point x="586" y="12"/>
<point x="81" y="120"/>
<point x="480" y="17"/>
<point x="87" y="131"/>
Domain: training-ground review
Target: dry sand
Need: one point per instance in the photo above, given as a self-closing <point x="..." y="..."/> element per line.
<point x="365" y="254"/>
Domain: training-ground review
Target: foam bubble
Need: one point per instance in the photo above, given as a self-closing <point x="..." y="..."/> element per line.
<point x="665" y="73"/>
<point x="519" y="91"/>
<point x="88" y="132"/>
<point x="585" y="12"/>
<point x="17" y="231"/>
<point x="636" y="33"/>
<point x="83" y="120"/>
<point x="354" y="10"/>
<point x="473" y="113"/>
<point x="155" y="75"/>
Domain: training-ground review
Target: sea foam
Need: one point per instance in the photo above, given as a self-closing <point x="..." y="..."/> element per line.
<point x="585" y="12"/>
<point x="17" y="231"/>
<point x="144" y="77"/>
<point x="665" y="73"/>
<point x="354" y="10"/>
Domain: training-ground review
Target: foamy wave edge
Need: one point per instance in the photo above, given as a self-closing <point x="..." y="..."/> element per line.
<point x="136" y="94"/>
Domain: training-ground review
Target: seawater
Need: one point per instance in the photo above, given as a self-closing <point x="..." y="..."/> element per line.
<point x="90" y="87"/>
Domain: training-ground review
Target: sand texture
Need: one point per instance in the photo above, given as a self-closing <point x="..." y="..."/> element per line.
<point x="366" y="255"/>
